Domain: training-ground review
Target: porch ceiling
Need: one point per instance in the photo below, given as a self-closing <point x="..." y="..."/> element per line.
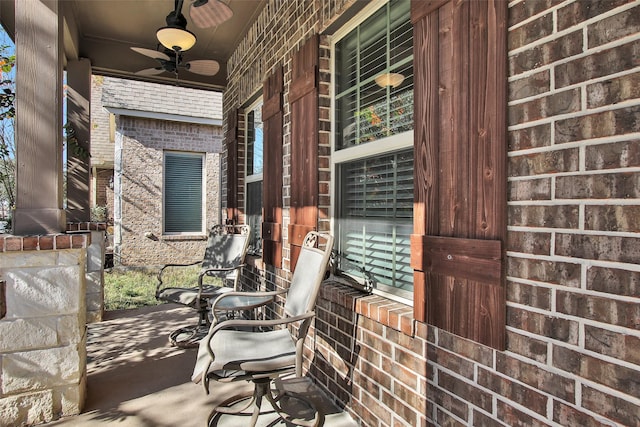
<point x="104" y="31"/>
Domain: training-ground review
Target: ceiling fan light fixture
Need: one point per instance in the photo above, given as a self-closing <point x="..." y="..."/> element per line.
<point x="389" y="79"/>
<point x="176" y="38"/>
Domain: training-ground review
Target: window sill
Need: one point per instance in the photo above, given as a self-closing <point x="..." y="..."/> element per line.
<point x="254" y="261"/>
<point x="389" y="313"/>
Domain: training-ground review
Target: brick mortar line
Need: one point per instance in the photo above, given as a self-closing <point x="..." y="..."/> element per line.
<point x="552" y="119"/>
<point x="573" y="231"/>
<point x="580" y="85"/>
<point x="590" y="172"/>
<point x="581" y="261"/>
<point x="373" y="350"/>
<point x="553" y="287"/>
<point x="596" y="233"/>
<point x="603" y="387"/>
<point x="569" y="202"/>
<point x="580" y="381"/>
<point x="584" y="25"/>
<point x="532" y="18"/>
<point x="445" y="411"/>
<point x="539" y="284"/>
<point x="580" y="320"/>
<point x="498" y="396"/>
<point x="584" y="143"/>
<point x="576" y="114"/>
<point x="577" y="348"/>
<point x="388" y="408"/>
<point x="346" y="349"/>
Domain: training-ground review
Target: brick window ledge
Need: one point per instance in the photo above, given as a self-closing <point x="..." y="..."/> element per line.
<point x="383" y="310"/>
<point x="254" y="261"/>
<point x="375" y="307"/>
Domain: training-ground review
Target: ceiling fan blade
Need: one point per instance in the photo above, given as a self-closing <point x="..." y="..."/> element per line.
<point x="151" y="53"/>
<point x="150" y="71"/>
<point x="209" y="13"/>
<point x="206" y="67"/>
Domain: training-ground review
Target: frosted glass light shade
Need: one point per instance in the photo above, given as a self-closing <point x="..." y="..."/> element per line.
<point x="178" y="39"/>
<point x="389" y="79"/>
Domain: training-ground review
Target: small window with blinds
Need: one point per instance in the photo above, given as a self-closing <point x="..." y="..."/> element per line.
<point x="373" y="149"/>
<point x="183" y="187"/>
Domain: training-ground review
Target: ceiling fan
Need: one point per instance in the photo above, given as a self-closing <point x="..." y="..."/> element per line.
<point x="175" y="39"/>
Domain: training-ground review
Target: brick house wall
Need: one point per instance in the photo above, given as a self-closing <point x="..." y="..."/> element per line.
<point x="104" y="193"/>
<point x="573" y="246"/>
<point x="141" y="144"/>
<point x="151" y="118"/>
<point x="101" y="142"/>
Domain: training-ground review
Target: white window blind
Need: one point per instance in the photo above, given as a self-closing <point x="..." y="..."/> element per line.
<point x="183" y="192"/>
<point x="377" y="219"/>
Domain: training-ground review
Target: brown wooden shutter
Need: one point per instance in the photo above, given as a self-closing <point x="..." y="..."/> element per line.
<point x="457" y="249"/>
<point x="303" y="97"/>
<point x="231" y="138"/>
<point x="272" y="172"/>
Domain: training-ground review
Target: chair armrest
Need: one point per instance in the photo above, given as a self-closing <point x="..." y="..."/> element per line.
<point x="164" y="267"/>
<point x="257" y="294"/>
<point x="235" y="323"/>
<point x="203" y="272"/>
<point x="219" y="270"/>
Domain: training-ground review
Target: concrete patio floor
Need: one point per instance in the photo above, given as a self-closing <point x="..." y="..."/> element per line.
<point x="136" y="378"/>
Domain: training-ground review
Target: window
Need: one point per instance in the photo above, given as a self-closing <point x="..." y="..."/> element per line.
<point x="183" y="193"/>
<point x="254" y="138"/>
<point x="373" y="156"/>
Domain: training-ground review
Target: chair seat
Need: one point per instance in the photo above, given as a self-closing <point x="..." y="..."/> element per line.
<point x="188" y="296"/>
<point x="247" y="351"/>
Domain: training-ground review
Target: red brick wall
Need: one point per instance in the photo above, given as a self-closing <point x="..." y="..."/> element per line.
<point x="573" y="288"/>
<point x="104" y="194"/>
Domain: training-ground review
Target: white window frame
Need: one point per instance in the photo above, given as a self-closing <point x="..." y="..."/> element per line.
<point x="390" y="144"/>
<point x="253" y="178"/>
<point x="203" y="201"/>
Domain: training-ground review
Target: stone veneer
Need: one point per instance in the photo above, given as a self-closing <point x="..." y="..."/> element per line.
<point x="95" y="267"/>
<point x="43" y="334"/>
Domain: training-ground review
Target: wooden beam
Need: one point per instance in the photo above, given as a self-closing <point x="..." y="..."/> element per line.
<point x="78" y="159"/>
<point x="38" y="130"/>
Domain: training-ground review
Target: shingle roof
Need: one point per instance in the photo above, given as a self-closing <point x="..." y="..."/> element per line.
<point x="158" y="98"/>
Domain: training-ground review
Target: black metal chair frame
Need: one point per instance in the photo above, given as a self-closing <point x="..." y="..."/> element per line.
<point x="223" y="258"/>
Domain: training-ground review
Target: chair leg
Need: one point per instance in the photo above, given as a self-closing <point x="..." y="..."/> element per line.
<point x="190" y="336"/>
<point x="262" y="389"/>
<point x="275" y="403"/>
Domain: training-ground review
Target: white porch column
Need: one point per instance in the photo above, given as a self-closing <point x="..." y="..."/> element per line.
<point x="78" y="161"/>
<point x="38" y="133"/>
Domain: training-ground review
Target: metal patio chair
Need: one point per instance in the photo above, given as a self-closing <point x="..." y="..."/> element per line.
<point x="261" y="351"/>
<point x="223" y="258"/>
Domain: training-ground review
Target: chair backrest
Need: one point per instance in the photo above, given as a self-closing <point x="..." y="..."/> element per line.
<point x="309" y="273"/>
<point x="227" y="246"/>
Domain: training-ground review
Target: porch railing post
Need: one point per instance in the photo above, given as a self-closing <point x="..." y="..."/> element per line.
<point x="38" y="132"/>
